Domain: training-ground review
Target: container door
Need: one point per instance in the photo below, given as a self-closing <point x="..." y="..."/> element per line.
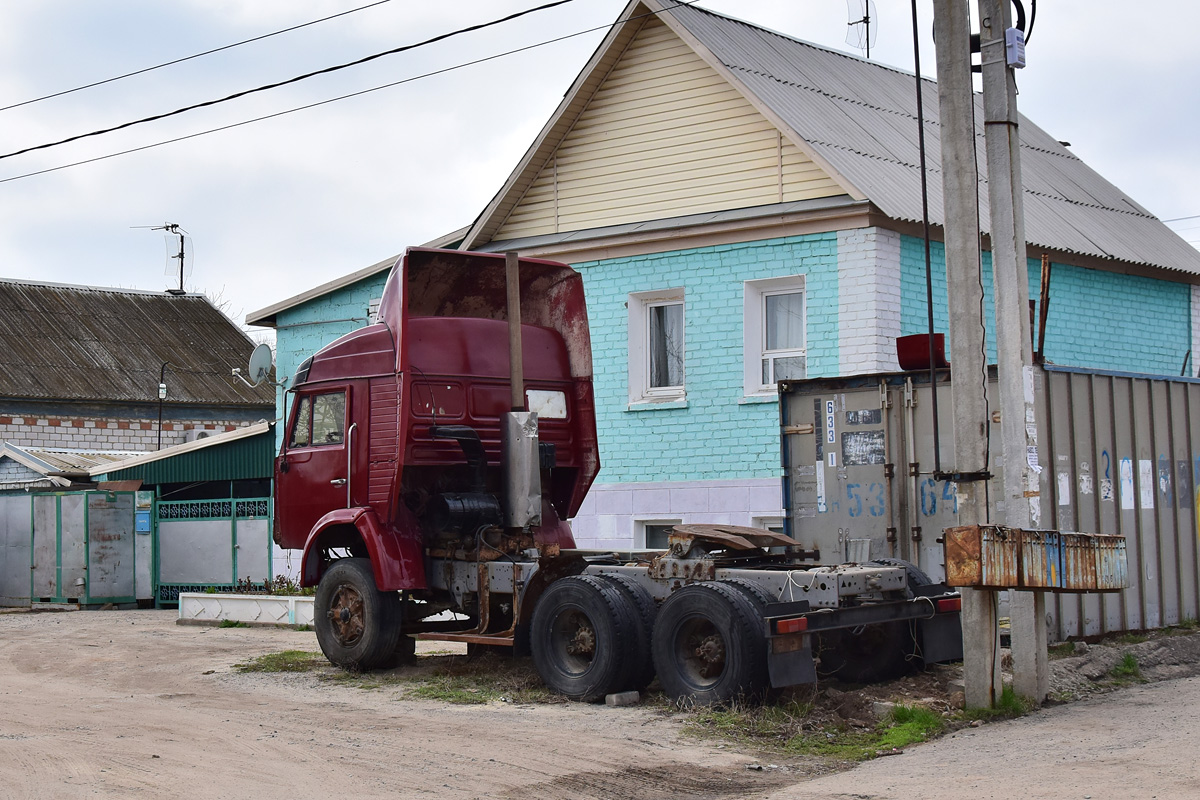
<point x="837" y="457"/>
<point x="72" y="551"/>
<point x="45" y="548"/>
<point x="15" y="550"/>
<point x="110" y="547"/>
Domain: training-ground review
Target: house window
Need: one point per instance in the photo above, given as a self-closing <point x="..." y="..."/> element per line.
<point x="775" y="340"/>
<point x="772" y="524"/>
<point x="320" y="419"/>
<point x="373" y="310"/>
<point x="656" y="346"/>
<point x="652" y="534"/>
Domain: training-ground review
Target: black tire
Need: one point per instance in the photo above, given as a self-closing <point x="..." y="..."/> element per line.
<point x="357" y="625"/>
<point x="754" y="591"/>
<point x="582" y="633"/>
<point x="709" y="645"/>
<point x="869" y="654"/>
<point x="644" y="612"/>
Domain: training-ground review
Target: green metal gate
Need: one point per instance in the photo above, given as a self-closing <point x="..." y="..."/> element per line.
<point x="211" y="545"/>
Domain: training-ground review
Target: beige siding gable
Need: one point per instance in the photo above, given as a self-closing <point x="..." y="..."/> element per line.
<point x="664" y="135"/>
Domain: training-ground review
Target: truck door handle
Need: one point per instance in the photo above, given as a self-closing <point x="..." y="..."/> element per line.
<point x="338" y="481"/>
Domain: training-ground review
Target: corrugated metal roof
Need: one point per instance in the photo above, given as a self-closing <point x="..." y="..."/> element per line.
<point x="243" y="454"/>
<point x="75" y="461"/>
<point x="83" y="343"/>
<point x="860" y="117"/>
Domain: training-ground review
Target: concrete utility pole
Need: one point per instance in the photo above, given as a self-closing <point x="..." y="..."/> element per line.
<point x="981" y="646"/>
<point x="1014" y="345"/>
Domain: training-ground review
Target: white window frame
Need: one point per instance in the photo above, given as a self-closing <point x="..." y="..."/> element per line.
<point x="768" y="523"/>
<point x="640" y="526"/>
<point x="755" y="332"/>
<point x="640" y="303"/>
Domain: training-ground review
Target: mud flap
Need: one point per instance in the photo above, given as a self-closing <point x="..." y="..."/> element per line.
<point x="940" y="638"/>
<point x="790" y="660"/>
<point x="789" y="655"/>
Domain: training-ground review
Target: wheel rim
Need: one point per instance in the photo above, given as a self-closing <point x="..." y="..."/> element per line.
<point x="347" y="615"/>
<point x="700" y="652"/>
<point x="573" y="641"/>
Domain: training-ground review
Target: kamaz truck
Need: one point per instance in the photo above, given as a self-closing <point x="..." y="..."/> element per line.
<point x="429" y="467"/>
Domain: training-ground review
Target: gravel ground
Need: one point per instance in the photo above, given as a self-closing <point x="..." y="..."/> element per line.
<point x="127" y="703"/>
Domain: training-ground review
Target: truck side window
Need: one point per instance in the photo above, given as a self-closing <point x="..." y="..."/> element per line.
<point x="302" y="433"/>
<point x="320" y="419"/>
<point x="329" y="418"/>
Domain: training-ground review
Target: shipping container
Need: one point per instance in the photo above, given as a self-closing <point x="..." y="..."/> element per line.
<point x="1116" y="454"/>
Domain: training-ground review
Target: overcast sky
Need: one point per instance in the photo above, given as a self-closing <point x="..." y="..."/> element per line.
<point x="280" y="206"/>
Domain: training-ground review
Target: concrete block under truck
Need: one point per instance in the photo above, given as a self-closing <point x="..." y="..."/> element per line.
<point x="430" y="461"/>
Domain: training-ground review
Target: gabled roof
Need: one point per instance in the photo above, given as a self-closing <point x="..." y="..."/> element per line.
<point x="857" y="120"/>
<point x="92" y="344"/>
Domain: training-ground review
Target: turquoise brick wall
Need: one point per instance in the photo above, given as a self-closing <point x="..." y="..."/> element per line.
<point x="717" y="435"/>
<point x="306" y="328"/>
<point x="1100" y="320"/>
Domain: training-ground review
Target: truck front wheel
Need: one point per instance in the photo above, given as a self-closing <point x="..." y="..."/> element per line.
<point x="357" y="625"/>
<point x="709" y="646"/>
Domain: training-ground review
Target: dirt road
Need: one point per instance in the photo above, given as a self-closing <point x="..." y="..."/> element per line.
<point x="128" y="704"/>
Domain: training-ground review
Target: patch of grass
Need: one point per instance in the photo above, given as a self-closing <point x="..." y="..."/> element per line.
<point x="792" y="728"/>
<point x="908" y="725"/>
<point x="459" y="680"/>
<point x="1061" y="650"/>
<point x="285" y="661"/>
<point x="232" y="623"/>
<point x="452" y="689"/>
<point x="1127" y="671"/>
<point x="1010" y="705"/>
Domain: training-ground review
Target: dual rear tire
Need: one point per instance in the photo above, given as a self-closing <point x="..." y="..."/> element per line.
<point x="594" y="635"/>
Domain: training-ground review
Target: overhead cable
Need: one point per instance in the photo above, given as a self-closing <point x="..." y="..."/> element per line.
<point x="340" y="97"/>
<point x="189" y="58"/>
<point x="298" y="78"/>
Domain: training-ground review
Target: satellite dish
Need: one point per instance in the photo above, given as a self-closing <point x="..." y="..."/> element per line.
<point x="260" y="364"/>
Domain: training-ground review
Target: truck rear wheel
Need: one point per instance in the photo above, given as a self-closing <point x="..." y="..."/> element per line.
<point x="644" y="612"/>
<point x="709" y="645"/>
<point x="582" y="633"/>
<point x="357" y="625"/>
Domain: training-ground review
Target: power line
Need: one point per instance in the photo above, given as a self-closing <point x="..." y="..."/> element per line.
<point x="340" y="97"/>
<point x="189" y="58"/>
<point x="296" y="79"/>
<point x="1181" y="219"/>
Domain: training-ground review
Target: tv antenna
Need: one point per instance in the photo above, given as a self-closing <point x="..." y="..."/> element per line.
<point x="860" y="34"/>
<point x="179" y="249"/>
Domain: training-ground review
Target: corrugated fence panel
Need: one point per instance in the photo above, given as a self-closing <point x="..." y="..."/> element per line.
<point x="1126" y="458"/>
<point x="1119" y="455"/>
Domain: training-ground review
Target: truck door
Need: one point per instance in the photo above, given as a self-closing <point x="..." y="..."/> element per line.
<point x="314" y="469"/>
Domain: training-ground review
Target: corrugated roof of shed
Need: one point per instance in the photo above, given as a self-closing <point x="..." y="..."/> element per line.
<point x="91" y="344"/>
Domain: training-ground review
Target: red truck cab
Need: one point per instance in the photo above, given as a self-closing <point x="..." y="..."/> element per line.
<point x="393" y="441"/>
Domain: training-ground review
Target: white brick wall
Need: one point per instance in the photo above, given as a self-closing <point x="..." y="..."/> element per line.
<point x="610" y="516"/>
<point x="96" y="433"/>
<point x="1195" y="368"/>
<point x="868" y="300"/>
